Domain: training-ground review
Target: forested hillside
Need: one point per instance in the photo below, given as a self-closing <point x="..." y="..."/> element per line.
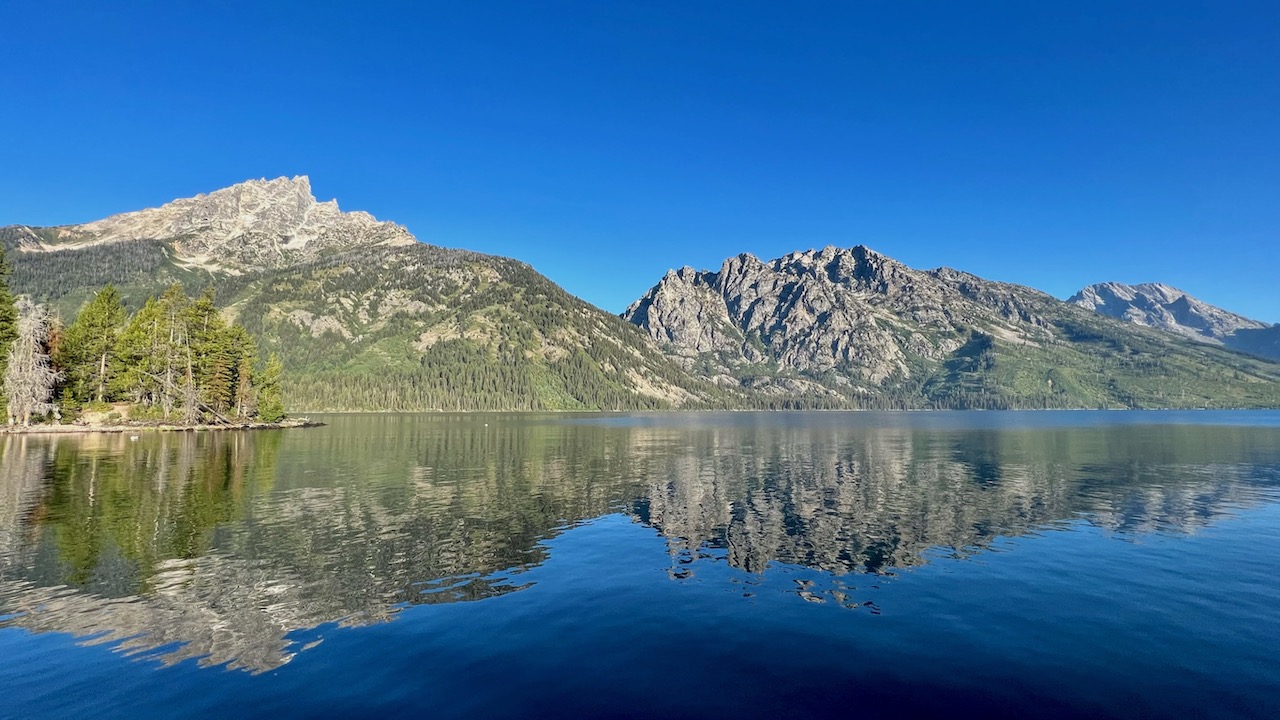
<point x="429" y="328"/>
<point x="362" y="316"/>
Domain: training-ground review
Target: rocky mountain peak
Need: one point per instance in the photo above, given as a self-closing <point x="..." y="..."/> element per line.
<point x="298" y="186"/>
<point x="1163" y="307"/>
<point x="833" y="309"/>
<point x="858" y="267"/>
<point x="254" y="224"/>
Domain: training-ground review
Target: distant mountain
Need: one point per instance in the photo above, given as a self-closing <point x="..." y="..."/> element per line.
<point x="1170" y="309"/>
<point x="856" y="326"/>
<point x="364" y="315"/>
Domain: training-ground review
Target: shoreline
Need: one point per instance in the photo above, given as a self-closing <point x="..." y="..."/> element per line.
<point x="74" y="429"/>
<point x="687" y="411"/>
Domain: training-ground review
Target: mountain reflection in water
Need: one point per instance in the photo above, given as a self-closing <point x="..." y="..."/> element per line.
<point x="218" y="545"/>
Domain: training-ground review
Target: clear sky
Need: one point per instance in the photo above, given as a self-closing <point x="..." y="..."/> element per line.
<point x="1052" y="144"/>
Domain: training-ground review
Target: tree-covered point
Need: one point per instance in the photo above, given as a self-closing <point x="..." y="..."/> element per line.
<point x="175" y="360"/>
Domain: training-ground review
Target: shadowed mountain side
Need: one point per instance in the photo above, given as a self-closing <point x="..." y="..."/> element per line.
<point x="1264" y="342"/>
<point x="219" y="546"/>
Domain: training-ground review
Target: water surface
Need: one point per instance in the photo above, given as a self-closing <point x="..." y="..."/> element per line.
<point x="757" y="564"/>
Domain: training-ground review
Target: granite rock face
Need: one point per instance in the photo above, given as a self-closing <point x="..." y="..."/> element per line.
<point x="853" y="313"/>
<point x="1167" y="308"/>
<point x="258" y="224"/>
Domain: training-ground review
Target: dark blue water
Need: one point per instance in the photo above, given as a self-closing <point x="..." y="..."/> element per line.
<point x="755" y="565"/>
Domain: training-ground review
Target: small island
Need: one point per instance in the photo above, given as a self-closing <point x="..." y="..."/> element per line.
<point x="175" y="364"/>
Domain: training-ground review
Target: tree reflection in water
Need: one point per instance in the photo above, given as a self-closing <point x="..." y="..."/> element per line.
<point x="218" y="545"/>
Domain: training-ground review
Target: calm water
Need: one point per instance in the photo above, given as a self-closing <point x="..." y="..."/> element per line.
<point x="761" y="565"/>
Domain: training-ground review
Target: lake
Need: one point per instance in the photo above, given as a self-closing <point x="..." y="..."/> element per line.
<point x="1009" y="564"/>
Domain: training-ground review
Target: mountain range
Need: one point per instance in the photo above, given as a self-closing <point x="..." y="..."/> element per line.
<point x="366" y="317"/>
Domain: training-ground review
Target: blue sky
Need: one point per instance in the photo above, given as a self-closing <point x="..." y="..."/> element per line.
<point x="1050" y="144"/>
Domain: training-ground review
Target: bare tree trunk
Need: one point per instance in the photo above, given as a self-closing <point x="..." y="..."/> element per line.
<point x="190" y="399"/>
<point x="102" y="377"/>
<point x="199" y="405"/>
<point x="166" y="395"/>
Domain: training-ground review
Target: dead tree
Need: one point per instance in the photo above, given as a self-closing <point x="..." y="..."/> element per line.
<point x="30" y="377"/>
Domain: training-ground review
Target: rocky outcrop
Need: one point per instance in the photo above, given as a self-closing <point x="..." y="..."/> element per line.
<point x="852" y="327"/>
<point x="1167" y="308"/>
<point x="852" y="312"/>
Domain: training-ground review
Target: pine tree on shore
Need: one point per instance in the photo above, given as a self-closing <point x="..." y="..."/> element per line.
<point x="142" y="351"/>
<point x="8" y="314"/>
<point x="270" y="398"/>
<point x="181" y="356"/>
<point x="87" y="350"/>
<point x="244" y="401"/>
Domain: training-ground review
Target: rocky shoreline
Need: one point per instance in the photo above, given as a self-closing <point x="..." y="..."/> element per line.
<point x="74" y="428"/>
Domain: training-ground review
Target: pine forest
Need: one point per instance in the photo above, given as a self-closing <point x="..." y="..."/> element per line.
<point x="175" y="361"/>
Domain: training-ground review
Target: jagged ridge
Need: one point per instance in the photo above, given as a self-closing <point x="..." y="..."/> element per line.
<point x="850" y="310"/>
<point x="855" y="324"/>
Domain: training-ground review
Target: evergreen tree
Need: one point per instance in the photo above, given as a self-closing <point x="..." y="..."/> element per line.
<point x="214" y="352"/>
<point x="270" y="398"/>
<point x="29" y="377"/>
<point x="141" y="350"/>
<point x="154" y="351"/>
<point x="87" y="352"/>
<point x="180" y="354"/>
<point x="175" y="346"/>
<point x="244" y="397"/>
<point x="8" y="313"/>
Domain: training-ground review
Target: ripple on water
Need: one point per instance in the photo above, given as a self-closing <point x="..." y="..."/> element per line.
<point x="1108" y="567"/>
